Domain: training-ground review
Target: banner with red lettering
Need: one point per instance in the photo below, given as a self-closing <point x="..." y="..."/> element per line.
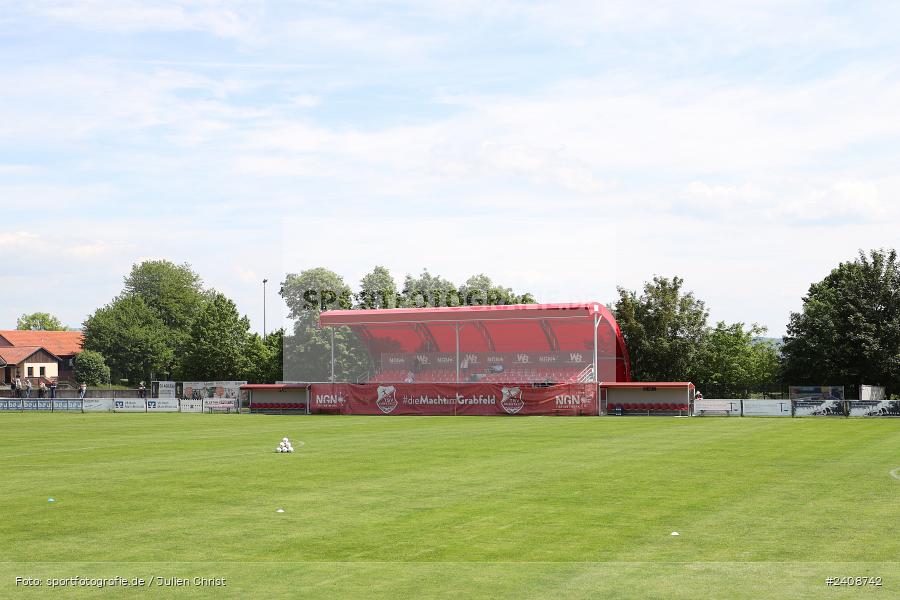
<point x="453" y="399"/>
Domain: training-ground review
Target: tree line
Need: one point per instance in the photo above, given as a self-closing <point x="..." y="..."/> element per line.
<point x="847" y="333"/>
<point x="166" y="323"/>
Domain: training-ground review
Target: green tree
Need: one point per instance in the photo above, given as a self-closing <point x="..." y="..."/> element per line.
<point x="218" y="342"/>
<point x="732" y="363"/>
<point x="481" y="290"/>
<point x="307" y="351"/>
<point x="170" y="298"/>
<point x="265" y="357"/>
<point x="91" y="368"/>
<point x="309" y="292"/>
<point x="174" y="292"/>
<point x="377" y="290"/>
<point x="429" y="290"/>
<point x="848" y="331"/>
<point x="40" y="321"/>
<point x="665" y="329"/>
<point x="131" y="337"/>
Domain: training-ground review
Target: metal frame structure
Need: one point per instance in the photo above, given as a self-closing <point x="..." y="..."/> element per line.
<point x="421" y="320"/>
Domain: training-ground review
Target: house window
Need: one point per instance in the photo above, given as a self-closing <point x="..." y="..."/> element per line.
<point x="43" y="371"/>
<point x="31" y="371"/>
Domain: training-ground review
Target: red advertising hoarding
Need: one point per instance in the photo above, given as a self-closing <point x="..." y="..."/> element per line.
<point x="453" y="399"/>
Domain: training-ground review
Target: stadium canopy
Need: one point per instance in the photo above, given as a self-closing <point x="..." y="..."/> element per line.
<point x="551" y="332"/>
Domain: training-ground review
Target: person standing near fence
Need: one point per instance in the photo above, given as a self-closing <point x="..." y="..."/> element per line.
<point x="142" y="391"/>
<point x="82" y="390"/>
<point x="28" y="387"/>
<point x="42" y="389"/>
<point x="17" y="388"/>
<point x="53" y="383"/>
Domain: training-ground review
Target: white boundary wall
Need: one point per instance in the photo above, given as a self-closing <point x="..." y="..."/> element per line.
<point x="731" y="408"/>
<point x="767" y="408"/>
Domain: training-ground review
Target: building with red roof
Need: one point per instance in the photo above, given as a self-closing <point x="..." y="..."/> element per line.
<point x="37" y="355"/>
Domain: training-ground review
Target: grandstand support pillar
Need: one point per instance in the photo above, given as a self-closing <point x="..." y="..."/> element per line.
<point x="596" y="326"/>
<point x="332" y="355"/>
<point x="457" y="353"/>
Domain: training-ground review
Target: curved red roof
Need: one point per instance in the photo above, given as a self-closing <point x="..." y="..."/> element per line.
<point x="506" y="328"/>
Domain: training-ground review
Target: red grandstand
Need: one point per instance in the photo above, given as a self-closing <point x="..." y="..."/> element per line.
<point x="522" y="343"/>
<point x="527" y="359"/>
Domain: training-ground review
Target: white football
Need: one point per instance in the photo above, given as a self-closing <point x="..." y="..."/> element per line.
<point x="284" y="440"/>
<point x="278" y="449"/>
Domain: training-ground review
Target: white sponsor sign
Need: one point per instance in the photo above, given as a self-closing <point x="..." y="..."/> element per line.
<point x="36" y="405"/>
<point x="727" y="407"/>
<point x="217" y="404"/>
<point x="192" y="406"/>
<point x="97" y="405"/>
<point x="767" y="408"/>
<point x="67" y="405"/>
<point x="166" y="389"/>
<point x="129" y="405"/>
<point x="162" y="405"/>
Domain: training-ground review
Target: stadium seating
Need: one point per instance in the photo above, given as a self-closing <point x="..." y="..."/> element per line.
<point x="277" y="406"/>
<point x="519" y="374"/>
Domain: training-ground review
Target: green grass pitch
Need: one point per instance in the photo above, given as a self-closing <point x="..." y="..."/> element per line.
<point x="440" y="507"/>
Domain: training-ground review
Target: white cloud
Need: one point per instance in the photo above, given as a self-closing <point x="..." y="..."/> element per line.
<point x="220" y="18"/>
<point x="691" y="130"/>
<point x="358" y="36"/>
<point x="246" y="275"/>
<point x="18" y="169"/>
<point x="17" y="238"/>
<point x="306" y="101"/>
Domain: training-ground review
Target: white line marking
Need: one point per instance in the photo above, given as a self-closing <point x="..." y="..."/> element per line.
<point x="896" y="473"/>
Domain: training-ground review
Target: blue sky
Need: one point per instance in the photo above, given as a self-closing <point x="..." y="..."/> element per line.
<point x="560" y="147"/>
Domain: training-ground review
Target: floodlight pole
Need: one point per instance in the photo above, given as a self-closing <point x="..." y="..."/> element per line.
<point x="457" y="353"/>
<point x="332" y="354"/>
<point x="265" y="281"/>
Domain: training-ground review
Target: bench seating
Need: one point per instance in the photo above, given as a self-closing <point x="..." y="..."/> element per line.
<point x="278" y="406"/>
<point x="647" y="407"/>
